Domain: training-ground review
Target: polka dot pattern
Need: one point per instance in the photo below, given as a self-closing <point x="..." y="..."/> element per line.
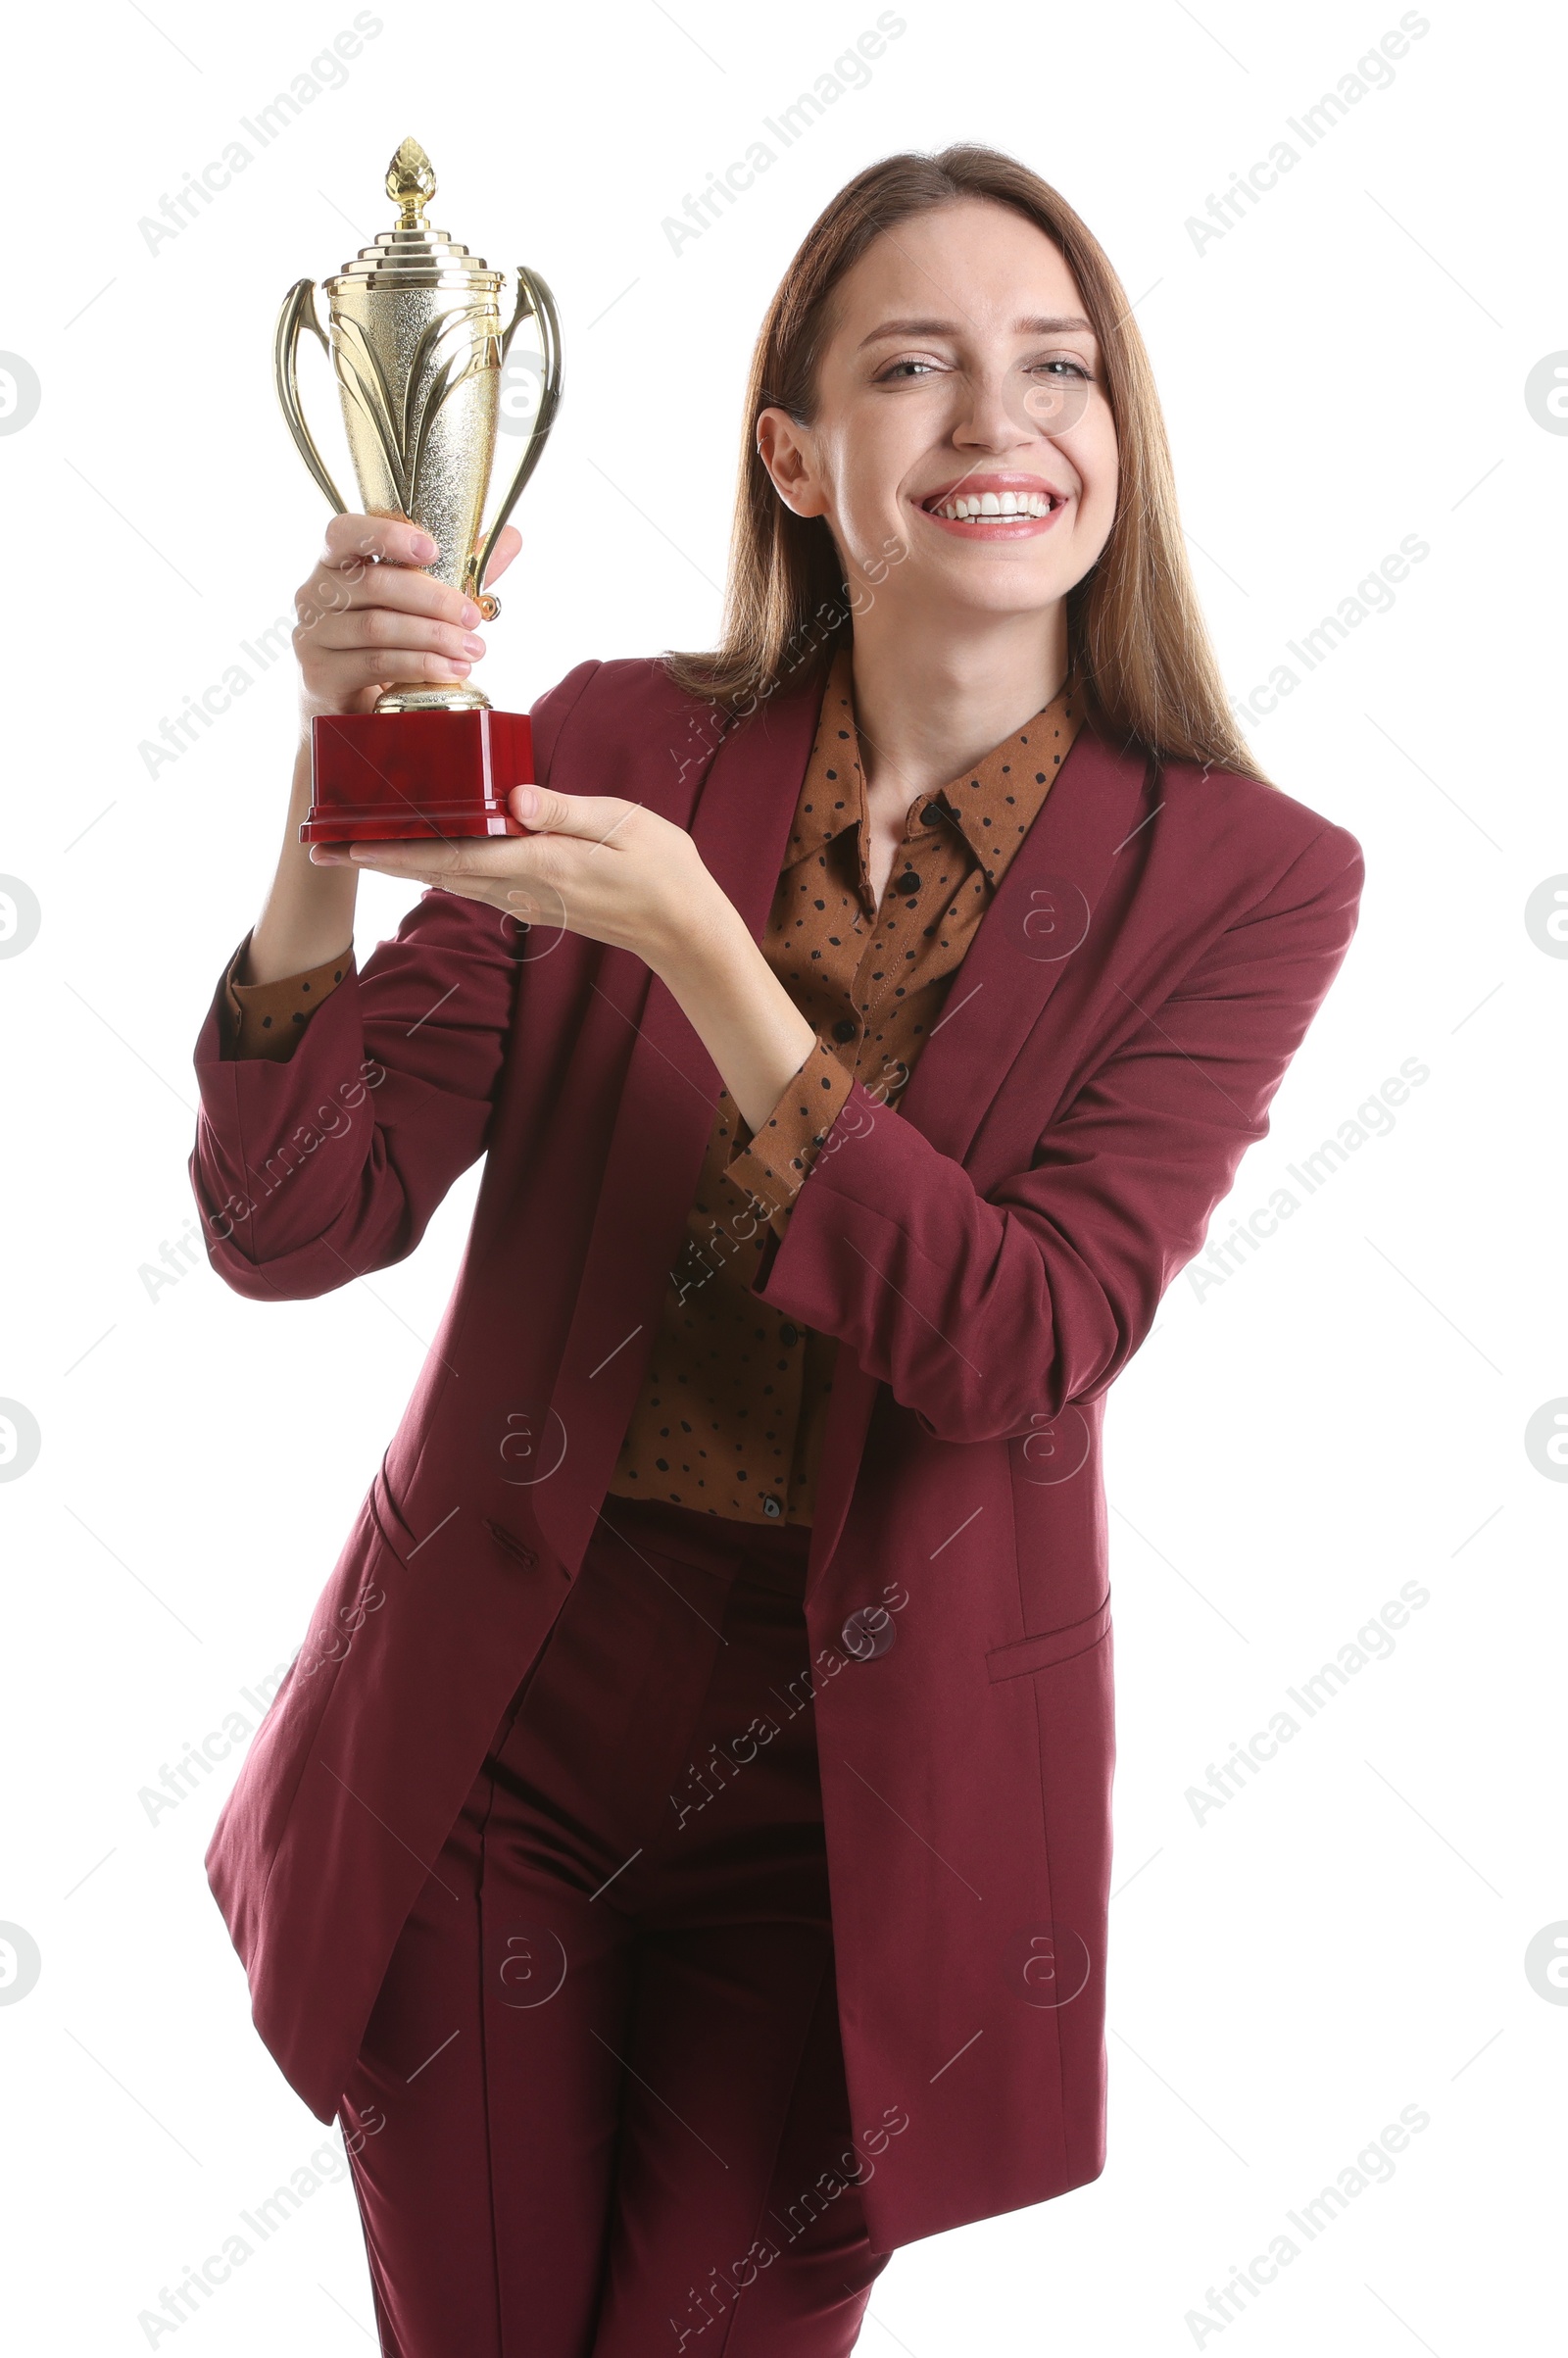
<point x="734" y="1403"/>
<point x="266" y="1019"/>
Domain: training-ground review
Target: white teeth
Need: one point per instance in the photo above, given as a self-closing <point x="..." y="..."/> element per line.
<point x="969" y="504"/>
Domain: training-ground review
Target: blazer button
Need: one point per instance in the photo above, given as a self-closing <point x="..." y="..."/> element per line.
<point x="869" y="1632"/>
<point x="908" y="882"/>
<point x="770" y="1504"/>
<point x="844" y="1029"/>
<point x="789" y="1335"/>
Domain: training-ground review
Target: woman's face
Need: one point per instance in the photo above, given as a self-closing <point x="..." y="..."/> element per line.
<point x="962" y="448"/>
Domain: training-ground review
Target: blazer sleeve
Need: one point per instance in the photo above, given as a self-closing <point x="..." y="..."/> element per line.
<point x="312" y="1170"/>
<point x="988" y="1314"/>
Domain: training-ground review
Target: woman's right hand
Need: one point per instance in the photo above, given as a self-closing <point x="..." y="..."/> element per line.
<point x="369" y="616"/>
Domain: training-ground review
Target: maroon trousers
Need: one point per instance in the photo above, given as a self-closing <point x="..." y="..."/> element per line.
<point x="600" y="2108"/>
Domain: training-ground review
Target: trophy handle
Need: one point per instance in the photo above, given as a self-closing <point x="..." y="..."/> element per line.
<point x="534" y="300"/>
<point x="298" y="310"/>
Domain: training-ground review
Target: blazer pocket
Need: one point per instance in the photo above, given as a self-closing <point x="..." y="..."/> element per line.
<point x="1049" y="1647"/>
<point x="518" y="1548"/>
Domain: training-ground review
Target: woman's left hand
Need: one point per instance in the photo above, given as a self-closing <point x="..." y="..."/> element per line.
<point x="619" y="873"/>
<point x="615" y="871"/>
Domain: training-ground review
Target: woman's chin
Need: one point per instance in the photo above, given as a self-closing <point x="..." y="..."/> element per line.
<point x="967" y="594"/>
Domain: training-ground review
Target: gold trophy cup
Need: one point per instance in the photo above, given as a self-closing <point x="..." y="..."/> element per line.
<point x="418" y="348"/>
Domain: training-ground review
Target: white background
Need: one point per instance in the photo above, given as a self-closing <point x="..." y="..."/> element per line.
<point x="1346" y="1412"/>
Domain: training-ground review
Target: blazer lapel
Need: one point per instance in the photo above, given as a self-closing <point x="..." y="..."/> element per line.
<point x="1042" y="911"/>
<point x="745" y="804"/>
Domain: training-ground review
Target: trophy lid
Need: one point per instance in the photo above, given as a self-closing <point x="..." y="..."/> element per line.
<point x="411" y="254"/>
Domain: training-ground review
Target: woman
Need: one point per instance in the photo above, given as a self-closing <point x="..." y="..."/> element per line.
<point x="680" y="1851"/>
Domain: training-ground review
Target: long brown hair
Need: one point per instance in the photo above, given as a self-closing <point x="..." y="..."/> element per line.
<point x="1137" y="639"/>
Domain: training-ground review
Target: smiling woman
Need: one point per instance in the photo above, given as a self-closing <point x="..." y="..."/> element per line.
<point x="859" y="1039"/>
<point x="1072" y="380"/>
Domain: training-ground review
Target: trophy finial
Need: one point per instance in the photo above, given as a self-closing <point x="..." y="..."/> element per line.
<point x="410" y="183"/>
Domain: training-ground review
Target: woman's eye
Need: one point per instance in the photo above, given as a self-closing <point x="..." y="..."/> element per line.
<point x="1069" y="367"/>
<point x="906" y="369"/>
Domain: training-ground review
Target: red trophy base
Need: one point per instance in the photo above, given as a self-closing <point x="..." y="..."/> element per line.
<point x="401" y="777"/>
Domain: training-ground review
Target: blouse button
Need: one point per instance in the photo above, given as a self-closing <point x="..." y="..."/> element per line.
<point x="789" y="1335"/>
<point x="844" y="1029"/>
<point x="770" y="1506"/>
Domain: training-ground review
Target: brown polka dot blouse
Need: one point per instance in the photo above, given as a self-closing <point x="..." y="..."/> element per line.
<point x="734" y="1405"/>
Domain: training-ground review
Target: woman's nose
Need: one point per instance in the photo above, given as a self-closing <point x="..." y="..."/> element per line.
<point x="995" y="417"/>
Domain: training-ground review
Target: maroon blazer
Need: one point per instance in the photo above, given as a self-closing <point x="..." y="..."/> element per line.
<point x="990" y="1256"/>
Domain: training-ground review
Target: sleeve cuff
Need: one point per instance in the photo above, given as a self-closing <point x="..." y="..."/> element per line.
<point x="773" y="1164"/>
<point x="266" y="1019"/>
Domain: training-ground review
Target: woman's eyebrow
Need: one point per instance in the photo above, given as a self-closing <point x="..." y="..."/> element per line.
<point x="1033" y="326"/>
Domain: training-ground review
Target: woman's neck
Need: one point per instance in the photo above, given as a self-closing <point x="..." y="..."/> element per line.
<point x="930" y="700"/>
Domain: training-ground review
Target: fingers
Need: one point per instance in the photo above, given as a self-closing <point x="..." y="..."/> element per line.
<point x="420" y="860"/>
<point x="364" y="539"/>
<point x="334" y="589"/>
<point x="368" y="615"/>
<point x="393" y="585"/>
<point x="497" y="870"/>
<point x="600" y="818"/>
<point x="405" y="858"/>
<point x="384" y="631"/>
<point x="472" y="869"/>
<point x="478" y="861"/>
<point x="506" y="547"/>
<point x="342" y="657"/>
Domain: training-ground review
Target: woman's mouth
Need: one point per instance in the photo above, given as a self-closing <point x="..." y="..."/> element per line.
<point x="982" y="511"/>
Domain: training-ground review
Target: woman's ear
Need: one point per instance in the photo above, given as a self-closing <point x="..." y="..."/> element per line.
<point x="785" y="450"/>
